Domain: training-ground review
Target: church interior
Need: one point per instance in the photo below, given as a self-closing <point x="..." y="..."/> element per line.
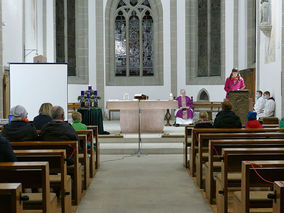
<point x="141" y="106"/>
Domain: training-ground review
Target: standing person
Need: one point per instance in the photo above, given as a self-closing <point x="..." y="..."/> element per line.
<point x="234" y="82"/>
<point x="269" y="108"/>
<point x="259" y="103"/>
<point x="44" y="116"/>
<point x="184" y="113"/>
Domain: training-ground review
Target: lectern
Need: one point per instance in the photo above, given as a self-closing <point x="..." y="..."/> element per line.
<point x="240" y="102"/>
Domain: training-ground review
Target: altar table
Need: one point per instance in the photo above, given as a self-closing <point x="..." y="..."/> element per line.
<point x="152" y="114"/>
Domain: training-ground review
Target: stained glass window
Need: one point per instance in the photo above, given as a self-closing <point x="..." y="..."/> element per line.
<point x="134" y="39"/>
<point x="209" y="38"/>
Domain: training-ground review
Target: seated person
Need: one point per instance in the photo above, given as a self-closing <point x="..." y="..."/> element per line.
<point x="269" y="108"/>
<point x="203" y="121"/>
<point x="252" y="121"/>
<point x="57" y="129"/>
<point x="281" y="124"/>
<point x="227" y="118"/>
<point x="78" y="125"/>
<point x="259" y="103"/>
<point x="19" y="129"/>
<point x="77" y="121"/>
<point x="44" y="116"/>
<point x="184" y="113"/>
<point x="6" y="151"/>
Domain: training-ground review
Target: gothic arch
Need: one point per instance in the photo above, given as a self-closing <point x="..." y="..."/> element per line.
<point x="157" y="78"/>
<point x="203" y="95"/>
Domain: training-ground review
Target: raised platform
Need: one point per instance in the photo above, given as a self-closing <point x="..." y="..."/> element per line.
<point x="169" y="142"/>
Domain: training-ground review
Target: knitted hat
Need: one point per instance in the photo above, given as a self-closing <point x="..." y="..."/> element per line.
<point x="251" y="116"/>
<point x="18" y="111"/>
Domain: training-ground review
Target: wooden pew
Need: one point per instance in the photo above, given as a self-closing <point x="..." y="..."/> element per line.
<point x="75" y="169"/>
<point x="10" y="197"/>
<point x="93" y="155"/>
<point x="278" y="197"/>
<point x="270" y="171"/>
<point x="57" y="164"/>
<point x="230" y="176"/>
<point x="204" y="141"/>
<point x="96" y="138"/>
<point x="186" y="145"/>
<point x="215" y="148"/>
<point x="195" y="137"/>
<point x="31" y="175"/>
<point x="85" y="160"/>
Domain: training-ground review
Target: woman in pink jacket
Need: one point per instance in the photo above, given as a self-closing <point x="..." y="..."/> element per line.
<point x="234" y="82"/>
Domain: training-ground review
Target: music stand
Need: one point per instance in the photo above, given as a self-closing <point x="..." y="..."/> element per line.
<point x="139" y="151"/>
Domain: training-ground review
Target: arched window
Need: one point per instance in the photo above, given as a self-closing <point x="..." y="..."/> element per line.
<point x="134" y="42"/>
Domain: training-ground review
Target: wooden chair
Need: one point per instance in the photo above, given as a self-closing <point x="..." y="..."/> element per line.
<point x="56" y="159"/>
<point x="10" y="197"/>
<point x="214" y="157"/>
<point x="74" y="170"/>
<point x="230" y="176"/>
<point x="204" y="141"/>
<point x="31" y="175"/>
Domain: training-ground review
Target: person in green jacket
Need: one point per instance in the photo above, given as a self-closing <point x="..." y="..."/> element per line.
<point x="77" y="121"/>
<point x="78" y="125"/>
<point x="281" y="124"/>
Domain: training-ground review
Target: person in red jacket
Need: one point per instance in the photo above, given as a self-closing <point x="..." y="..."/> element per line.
<point x="252" y="122"/>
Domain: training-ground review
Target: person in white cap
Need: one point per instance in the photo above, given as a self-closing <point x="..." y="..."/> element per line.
<point x="19" y="129"/>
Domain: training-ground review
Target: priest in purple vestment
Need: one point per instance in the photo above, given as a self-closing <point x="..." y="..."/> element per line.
<point x="184" y="113"/>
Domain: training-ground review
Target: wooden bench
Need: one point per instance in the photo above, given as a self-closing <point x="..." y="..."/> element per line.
<point x="195" y="137"/>
<point x="85" y="160"/>
<point x="214" y="157"/>
<point x="57" y="165"/>
<point x="230" y="177"/>
<point x="10" y="197"/>
<point x="278" y="197"/>
<point x="31" y="175"/>
<point x="268" y="172"/>
<point x="74" y="170"/>
<point x="97" y="144"/>
<point x="204" y="141"/>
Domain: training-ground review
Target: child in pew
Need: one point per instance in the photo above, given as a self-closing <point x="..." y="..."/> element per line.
<point x="203" y="121"/>
<point x="78" y="125"/>
<point x="252" y="122"/>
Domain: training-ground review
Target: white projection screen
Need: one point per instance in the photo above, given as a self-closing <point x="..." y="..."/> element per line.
<point x="32" y="84"/>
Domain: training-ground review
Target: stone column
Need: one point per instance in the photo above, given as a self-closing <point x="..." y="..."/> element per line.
<point x="240" y="102"/>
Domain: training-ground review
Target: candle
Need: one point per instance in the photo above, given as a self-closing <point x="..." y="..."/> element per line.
<point x="95" y="92"/>
<point x="82" y="93"/>
<point x="89" y="87"/>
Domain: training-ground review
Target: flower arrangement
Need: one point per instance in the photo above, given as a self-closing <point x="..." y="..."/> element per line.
<point x="89" y="98"/>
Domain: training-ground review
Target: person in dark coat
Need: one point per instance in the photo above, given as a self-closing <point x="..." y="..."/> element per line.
<point x="203" y="121"/>
<point x="57" y="129"/>
<point x="6" y="151"/>
<point x="227" y="118"/>
<point x="44" y="116"/>
<point x="19" y="129"/>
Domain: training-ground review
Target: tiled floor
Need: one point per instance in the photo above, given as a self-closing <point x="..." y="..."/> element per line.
<point x="150" y="184"/>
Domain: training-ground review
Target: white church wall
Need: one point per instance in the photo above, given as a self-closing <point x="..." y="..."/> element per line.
<point x="242" y="43"/>
<point x="12" y="11"/>
<point x="270" y="68"/>
<point x="216" y="92"/>
<point x="154" y="92"/>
